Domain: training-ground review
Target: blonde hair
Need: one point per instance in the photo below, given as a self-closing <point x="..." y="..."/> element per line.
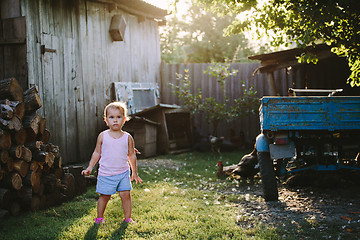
<point x="117" y="105"/>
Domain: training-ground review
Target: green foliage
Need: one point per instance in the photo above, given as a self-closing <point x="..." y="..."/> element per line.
<point x="200" y="38"/>
<point x="303" y="22"/>
<point x="216" y="110"/>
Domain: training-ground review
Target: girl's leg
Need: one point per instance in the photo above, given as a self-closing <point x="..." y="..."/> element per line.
<point x="101" y="205"/>
<point x="126" y="203"/>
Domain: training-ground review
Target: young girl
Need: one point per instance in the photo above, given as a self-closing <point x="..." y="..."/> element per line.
<point x="115" y="149"/>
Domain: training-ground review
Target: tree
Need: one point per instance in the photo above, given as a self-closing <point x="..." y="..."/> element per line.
<point x="304" y="22"/>
<point x="216" y="110"/>
<point x="200" y="38"/>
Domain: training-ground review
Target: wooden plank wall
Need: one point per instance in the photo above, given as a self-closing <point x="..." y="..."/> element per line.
<point x="75" y="81"/>
<point x="12" y="42"/>
<point x="248" y="124"/>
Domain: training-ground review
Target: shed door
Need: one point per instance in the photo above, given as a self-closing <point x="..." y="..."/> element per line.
<point x="61" y="94"/>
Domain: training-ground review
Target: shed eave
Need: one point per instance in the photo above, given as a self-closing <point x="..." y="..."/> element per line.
<point x="137" y="7"/>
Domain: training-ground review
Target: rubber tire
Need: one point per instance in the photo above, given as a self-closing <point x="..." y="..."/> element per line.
<point x="269" y="183"/>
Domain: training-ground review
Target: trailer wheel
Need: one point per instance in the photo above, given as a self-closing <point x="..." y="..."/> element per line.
<point x="268" y="179"/>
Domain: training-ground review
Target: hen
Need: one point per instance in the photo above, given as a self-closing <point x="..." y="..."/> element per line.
<point x="216" y="143"/>
<point x="224" y="171"/>
<point x="248" y="166"/>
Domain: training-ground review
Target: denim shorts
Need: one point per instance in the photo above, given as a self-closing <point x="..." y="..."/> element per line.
<point x="109" y="185"/>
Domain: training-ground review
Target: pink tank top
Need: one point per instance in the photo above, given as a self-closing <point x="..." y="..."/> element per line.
<point x="114" y="155"/>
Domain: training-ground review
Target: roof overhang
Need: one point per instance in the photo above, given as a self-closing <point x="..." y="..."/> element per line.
<point x="137" y="8"/>
<point x="283" y="59"/>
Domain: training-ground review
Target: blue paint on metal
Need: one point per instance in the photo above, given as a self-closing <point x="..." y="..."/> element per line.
<point x="335" y="167"/>
<point x="310" y="113"/>
<point x="262" y="144"/>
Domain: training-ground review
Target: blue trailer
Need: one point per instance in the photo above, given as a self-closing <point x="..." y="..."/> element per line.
<point x="317" y="133"/>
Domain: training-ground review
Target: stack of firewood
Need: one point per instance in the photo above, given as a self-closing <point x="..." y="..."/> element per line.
<point x="31" y="173"/>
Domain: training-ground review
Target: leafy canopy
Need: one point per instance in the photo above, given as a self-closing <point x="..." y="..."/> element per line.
<point x="304" y="22"/>
<point x="198" y="37"/>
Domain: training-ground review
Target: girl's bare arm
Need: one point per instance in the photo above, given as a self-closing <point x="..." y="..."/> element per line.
<point x="95" y="156"/>
<point x="133" y="160"/>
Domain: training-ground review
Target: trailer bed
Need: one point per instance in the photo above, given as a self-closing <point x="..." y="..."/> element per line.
<point x="310" y="113"/>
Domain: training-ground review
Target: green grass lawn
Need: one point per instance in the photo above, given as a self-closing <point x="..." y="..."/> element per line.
<point x="179" y="199"/>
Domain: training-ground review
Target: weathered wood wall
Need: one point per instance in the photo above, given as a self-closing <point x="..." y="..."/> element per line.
<point x="12" y="42"/>
<point x="80" y="62"/>
<point x="248" y="124"/>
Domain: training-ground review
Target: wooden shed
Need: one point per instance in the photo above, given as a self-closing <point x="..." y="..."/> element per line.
<point x="73" y="50"/>
<point x="175" y="130"/>
<point x="330" y="72"/>
<point x="144" y="133"/>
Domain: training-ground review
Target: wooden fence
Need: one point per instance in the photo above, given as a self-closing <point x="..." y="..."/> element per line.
<point x="245" y="77"/>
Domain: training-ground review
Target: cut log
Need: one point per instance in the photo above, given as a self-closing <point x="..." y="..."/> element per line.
<point x="45" y="147"/>
<point x="21" y="167"/>
<point x="6" y="112"/>
<point x="4" y="156"/>
<point x="5" y="139"/>
<point x="46" y="169"/>
<point x="9" y="166"/>
<point x="51" y="183"/>
<point x="33" y="179"/>
<point x="41" y="156"/>
<point x="34" y="145"/>
<point x="32" y="99"/>
<point x="6" y="124"/>
<point x="69" y="181"/>
<point x="58" y="172"/>
<point x="16" y="122"/>
<point x="11" y="89"/>
<point x="50" y="159"/>
<point x="80" y="181"/>
<point x="19" y="137"/>
<point x="30" y="201"/>
<point x="42" y="125"/>
<point x="32" y="121"/>
<point x="12" y="181"/>
<point x="34" y="166"/>
<point x="18" y="108"/>
<point x="30" y="135"/>
<point x="45" y="137"/>
<point x="15" y="151"/>
<point x="26" y="154"/>
<point x="57" y="162"/>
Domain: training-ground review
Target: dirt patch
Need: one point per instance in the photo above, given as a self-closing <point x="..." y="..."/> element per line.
<point x="322" y="207"/>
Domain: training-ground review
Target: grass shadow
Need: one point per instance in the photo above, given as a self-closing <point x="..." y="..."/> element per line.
<point x="120" y="232"/>
<point x="92" y="232"/>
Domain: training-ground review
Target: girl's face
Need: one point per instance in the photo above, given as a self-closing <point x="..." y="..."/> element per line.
<point x="114" y="119"/>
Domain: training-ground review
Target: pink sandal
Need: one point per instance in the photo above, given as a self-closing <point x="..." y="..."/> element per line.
<point x="128" y="220"/>
<point x="99" y="220"/>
